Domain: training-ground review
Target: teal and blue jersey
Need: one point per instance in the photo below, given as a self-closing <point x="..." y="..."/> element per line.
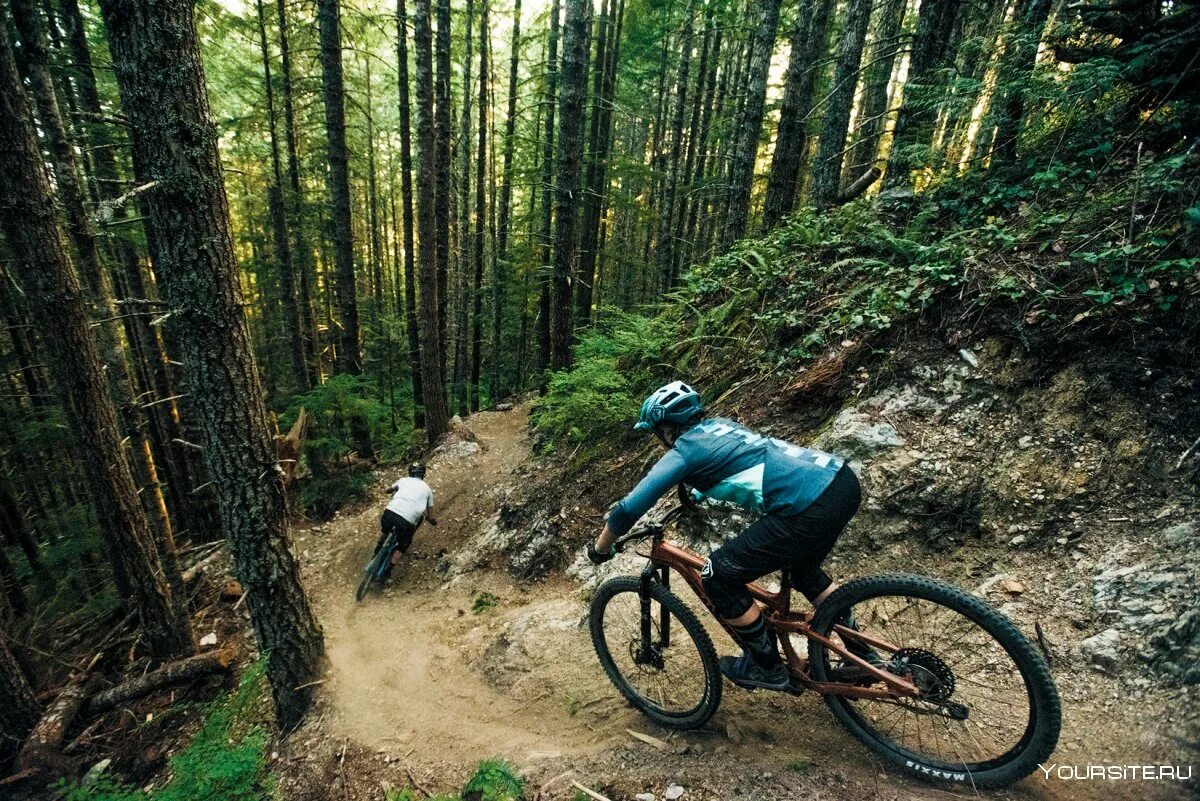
<point x="728" y="462"/>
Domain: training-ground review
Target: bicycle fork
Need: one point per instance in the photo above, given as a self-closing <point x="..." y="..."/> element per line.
<point x="650" y="652"/>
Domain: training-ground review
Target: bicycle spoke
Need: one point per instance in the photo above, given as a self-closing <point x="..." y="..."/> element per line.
<point x="942" y="647"/>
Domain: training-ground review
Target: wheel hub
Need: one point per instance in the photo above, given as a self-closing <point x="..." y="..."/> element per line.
<point x="649" y="655"/>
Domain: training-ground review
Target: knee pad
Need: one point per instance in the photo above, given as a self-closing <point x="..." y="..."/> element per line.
<point x="730" y="598"/>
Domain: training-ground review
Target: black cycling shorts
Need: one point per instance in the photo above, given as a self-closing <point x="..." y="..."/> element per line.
<point x="404" y="530"/>
<point x="799" y="542"/>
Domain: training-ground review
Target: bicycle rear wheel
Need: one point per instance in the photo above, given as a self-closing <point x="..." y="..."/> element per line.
<point x="988" y="711"/>
<point x="672" y="676"/>
<point x="371" y="572"/>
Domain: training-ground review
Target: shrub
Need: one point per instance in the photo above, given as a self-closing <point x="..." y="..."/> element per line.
<point x="494" y="780"/>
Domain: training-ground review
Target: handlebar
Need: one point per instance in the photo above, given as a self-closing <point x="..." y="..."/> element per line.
<point x="654" y="528"/>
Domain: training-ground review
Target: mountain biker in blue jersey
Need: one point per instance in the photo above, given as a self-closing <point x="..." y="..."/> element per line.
<point x="805" y="498"/>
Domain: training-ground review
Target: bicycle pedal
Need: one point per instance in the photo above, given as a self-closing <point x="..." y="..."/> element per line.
<point x="795" y="686"/>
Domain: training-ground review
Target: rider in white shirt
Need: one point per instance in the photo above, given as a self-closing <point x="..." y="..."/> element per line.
<point x="412" y="500"/>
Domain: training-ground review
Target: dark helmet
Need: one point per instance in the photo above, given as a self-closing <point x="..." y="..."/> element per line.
<point x="416" y="470"/>
<point x="675" y="403"/>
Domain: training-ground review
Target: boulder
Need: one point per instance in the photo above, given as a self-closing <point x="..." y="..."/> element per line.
<point x="852" y="435"/>
<point x="520" y="648"/>
<point x="1103" y="650"/>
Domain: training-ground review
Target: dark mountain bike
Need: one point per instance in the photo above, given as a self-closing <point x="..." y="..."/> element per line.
<point x="931" y="678"/>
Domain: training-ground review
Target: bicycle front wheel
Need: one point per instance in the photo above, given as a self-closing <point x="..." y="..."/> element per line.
<point x="987" y="712"/>
<point x="656" y="652"/>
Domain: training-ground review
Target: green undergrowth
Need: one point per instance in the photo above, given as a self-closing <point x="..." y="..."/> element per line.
<point x="493" y="780"/>
<point x="224" y="761"/>
<point x="1050" y="244"/>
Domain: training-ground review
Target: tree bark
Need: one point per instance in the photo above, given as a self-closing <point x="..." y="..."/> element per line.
<point x="593" y="190"/>
<point x="19" y="709"/>
<point x="480" y="210"/>
<point x="915" y="122"/>
<point x="406" y="192"/>
<point x="876" y="81"/>
<point x="705" y="86"/>
<point x="156" y="58"/>
<point x="667" y="232"/>
<point x="547" y="190"/>
<point x="433" y="360"/>
<point x="576" y="22"/>
<point x="301" y="248"/>
<point x="500" y="264"/>
<point x="827" y="166"/>
<point x="1016" y="67"/>
<point x="459" y="392"/>
<point x="741" y="178"/>
<point x="809" y="39"/>
<point x="48" y="279"/>
<point x="293" y="325"/>
<point x="341" y="234"/>
<point x="442" y="200"/>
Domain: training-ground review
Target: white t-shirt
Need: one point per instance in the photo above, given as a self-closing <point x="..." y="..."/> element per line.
<point x="411" y="499"/>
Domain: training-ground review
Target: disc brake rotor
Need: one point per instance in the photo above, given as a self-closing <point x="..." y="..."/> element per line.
<point x="930" y="674"/>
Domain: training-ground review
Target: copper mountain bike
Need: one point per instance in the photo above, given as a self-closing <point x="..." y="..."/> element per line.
<point x="931" y="678"/>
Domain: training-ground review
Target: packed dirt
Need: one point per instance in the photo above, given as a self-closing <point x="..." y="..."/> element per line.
<point x="454" y="661"/>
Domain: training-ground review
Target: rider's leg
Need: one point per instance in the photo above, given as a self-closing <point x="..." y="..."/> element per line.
<point x="404" y="538"/>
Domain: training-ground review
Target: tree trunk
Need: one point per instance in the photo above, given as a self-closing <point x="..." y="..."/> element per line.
<point x="547" y="190"/>
<point x="406" y="191"/>
<point x="592" y="190"/>
<point x="791" y="140"/>
<point x="667" y="231"/>
<point x="443" y="198"/>
<point x="303" y="251"/>
<point x="741" y="177"/>
<point x="706" y="91"/>
<point x="876" y="81"/>
<point x="12" y="595"/>
<point x="156" y="58"/>
<point x="48" y="280"/>
<point x="576" y="22"/>
<point x="376" y="249"/>
<point x="293" y="326"/>
<point x="917" y="118"/>
<point x="500" y="264"/>
<point x="433" y="360"/>
<point x="480" y="210"/>
<point x="827" y="166"/>
<point x="460" y="399"/>
<point x="1016" y="67"/>
<point x="349" y="359"/>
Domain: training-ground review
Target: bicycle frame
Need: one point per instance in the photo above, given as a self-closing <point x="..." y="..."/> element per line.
<point x="776" y="606"/>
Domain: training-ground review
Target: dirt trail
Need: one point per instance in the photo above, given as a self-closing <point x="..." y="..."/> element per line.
<point x="418" y="674"/>
<point x="401" y="677"/>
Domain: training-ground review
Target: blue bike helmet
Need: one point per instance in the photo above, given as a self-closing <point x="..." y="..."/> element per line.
<point x="675" y="403"/>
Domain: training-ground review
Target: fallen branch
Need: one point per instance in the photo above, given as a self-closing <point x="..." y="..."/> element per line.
<point x="42" y="744"/>
<point x="106" y="209"/>
<point x="661" y="745"/>
<point x="1187" y="453"/>
<point x="590" y="793"/>
<point x="858" y="187"/>
<point x="197" y="570"/>
<point x="171" y="673"/>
